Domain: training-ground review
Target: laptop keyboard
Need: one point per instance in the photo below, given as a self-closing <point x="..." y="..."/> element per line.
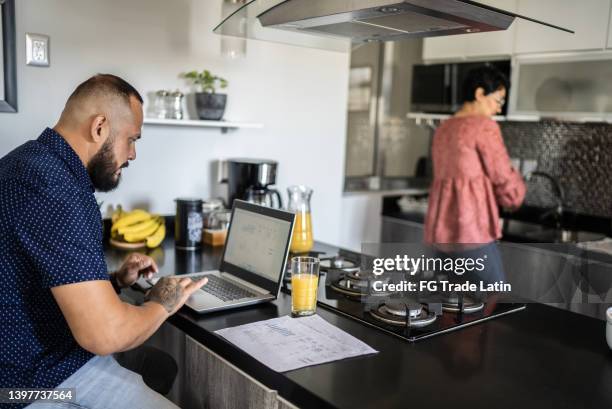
<point x="223" y="289"/>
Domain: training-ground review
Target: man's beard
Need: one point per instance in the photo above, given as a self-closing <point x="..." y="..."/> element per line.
<point x="102" y="168"/>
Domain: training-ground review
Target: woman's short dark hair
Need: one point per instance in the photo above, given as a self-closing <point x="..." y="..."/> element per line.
<point x="489" y="78"/>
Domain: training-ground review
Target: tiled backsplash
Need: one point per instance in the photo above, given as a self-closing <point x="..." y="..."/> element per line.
<point x="578" y="155"/>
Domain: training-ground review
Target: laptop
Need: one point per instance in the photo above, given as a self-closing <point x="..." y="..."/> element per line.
<point x="253" y="261"/>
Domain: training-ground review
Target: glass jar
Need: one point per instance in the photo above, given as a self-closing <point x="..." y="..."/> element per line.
<point x="176" y="102"/>
<point x="208" y="210"/>
<point x="299" y="203"/>
<point x="221" y="219"/>
<point x="161" y="104"/>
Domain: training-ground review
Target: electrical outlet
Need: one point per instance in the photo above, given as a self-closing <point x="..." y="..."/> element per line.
<point x="529" y="165"/>
<point x="37" y="50"/>
<point x="516" y="163"/>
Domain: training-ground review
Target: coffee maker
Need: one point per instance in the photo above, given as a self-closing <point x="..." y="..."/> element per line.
<point x="250" y="180"/>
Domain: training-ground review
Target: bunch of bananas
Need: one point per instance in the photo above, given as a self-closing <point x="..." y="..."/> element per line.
<point x="138" y="226"/>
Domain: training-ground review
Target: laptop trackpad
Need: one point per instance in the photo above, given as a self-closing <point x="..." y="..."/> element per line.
<point x="201" y="300"/>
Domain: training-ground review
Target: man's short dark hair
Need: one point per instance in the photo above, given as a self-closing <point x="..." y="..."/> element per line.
<point x="106" y="84"/>
<point x="489" y="78"/>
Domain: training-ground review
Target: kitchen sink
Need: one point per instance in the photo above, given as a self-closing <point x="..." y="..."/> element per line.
<point x="514" y="230"/>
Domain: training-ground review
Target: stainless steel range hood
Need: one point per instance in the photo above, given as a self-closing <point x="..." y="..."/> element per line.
<point x="338" y="24"/>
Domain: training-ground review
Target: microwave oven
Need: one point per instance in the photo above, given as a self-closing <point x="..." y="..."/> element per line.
<point x="438" y="88"/>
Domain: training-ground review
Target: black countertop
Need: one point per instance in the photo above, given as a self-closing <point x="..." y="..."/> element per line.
<point x="542" y="357"/>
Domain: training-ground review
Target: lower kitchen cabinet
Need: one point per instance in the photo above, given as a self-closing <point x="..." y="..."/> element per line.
<point x="560" y="275"/>
<point x="283" y="404"/>
<point x="171" y="340"/>
<point x="215" y="383"/>
<point x="401" y="231"/>
<point x="542" y="275"/>
<point x="207" y="381"/>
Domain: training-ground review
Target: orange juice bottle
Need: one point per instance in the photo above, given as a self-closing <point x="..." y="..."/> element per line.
<point x="299" y="202"/>
<point x="301" y="241"/>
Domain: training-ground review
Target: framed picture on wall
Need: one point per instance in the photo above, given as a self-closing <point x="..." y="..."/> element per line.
<point x="8" y="64"/>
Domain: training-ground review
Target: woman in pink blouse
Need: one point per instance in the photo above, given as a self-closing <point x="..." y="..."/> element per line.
<point x="473" y="175"/>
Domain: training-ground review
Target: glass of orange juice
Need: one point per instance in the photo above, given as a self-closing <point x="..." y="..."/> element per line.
<point x="304" y="285"/>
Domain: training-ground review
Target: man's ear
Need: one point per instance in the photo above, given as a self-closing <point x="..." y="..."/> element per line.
<point x="99" y="129"/>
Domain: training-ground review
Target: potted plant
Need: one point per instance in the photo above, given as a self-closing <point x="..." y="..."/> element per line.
<point x="209" y="104"/>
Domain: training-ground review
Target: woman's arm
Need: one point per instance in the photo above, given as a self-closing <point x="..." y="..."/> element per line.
<point x="508" y="185"/>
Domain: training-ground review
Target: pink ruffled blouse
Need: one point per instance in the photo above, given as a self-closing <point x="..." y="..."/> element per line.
<point x="472" y="177"/>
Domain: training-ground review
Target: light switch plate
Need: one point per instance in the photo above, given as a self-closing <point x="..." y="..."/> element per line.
<point x="529" y="165"/>
<point x="37" y="50"/>
<point x="516" y="163"/>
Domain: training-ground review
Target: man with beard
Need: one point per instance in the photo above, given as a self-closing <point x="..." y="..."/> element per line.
<point x="61" y="316"/>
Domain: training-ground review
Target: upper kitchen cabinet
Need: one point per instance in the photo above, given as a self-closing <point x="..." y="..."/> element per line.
<point x="567" y="86"/>
<point x="589" y="19"/>
<point x="497" y="43"/>
<point x="444" y="48"/>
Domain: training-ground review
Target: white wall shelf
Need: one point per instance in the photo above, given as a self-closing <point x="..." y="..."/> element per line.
<point x="223" y="125"/>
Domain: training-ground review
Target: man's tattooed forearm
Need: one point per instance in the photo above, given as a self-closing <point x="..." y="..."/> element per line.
<point x="166" y="292"/>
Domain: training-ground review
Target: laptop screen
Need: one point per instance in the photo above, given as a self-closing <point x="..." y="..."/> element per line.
<point x="257" y="243"/>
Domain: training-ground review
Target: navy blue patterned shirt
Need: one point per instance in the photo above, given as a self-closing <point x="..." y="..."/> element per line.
<point x="50" y="235"/>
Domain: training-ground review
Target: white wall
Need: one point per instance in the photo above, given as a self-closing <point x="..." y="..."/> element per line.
<point x="361" y="220"/>
<point x="299" y="95"/>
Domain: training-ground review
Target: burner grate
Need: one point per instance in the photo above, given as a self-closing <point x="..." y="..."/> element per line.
<point x="394" y="313"/>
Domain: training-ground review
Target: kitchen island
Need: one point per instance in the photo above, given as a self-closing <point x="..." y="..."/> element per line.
<point x="541" y="357"/>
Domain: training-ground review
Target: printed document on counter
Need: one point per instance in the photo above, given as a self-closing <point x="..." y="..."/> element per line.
<point x="286" y="343"/>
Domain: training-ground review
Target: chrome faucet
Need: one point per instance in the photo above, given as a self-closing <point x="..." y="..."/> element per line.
<point x="558" y="210"/>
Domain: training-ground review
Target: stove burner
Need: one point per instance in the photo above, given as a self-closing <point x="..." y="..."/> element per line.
<point x="356" y="283"/>
<point x="398" y="308"/>
<point x="359" y="275"/>
<point x="338" y="263"/>
<point x="394" y="313"/>
<point x="470" y="305"/>
<point x="350" y="287"/>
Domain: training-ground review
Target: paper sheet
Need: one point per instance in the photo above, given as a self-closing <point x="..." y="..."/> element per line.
<point x="286" y="343"/>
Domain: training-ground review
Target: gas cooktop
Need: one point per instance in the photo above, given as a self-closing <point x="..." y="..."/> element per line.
<point x="412" y="318"/>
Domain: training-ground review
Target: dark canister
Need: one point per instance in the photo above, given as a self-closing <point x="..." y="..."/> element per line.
<point x="188" y="224"/>
<point x="187" y="261"/>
